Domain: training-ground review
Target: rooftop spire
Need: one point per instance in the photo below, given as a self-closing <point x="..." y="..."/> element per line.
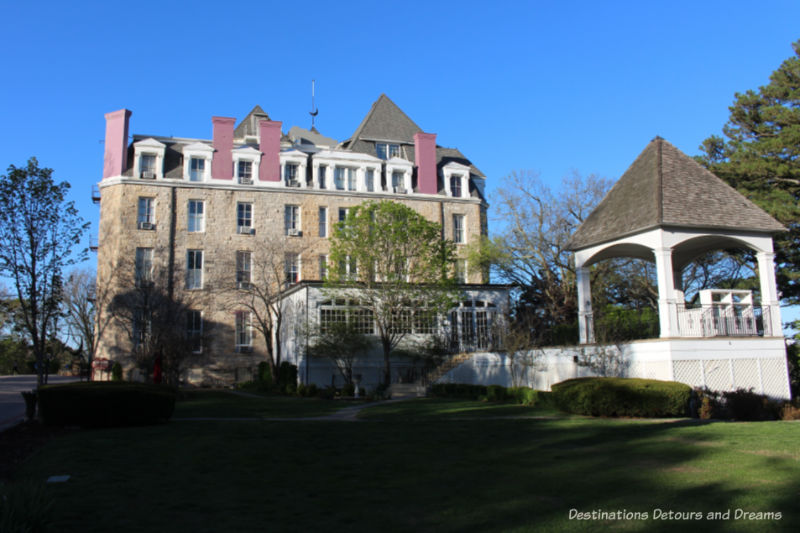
<point x="314" y="111"/>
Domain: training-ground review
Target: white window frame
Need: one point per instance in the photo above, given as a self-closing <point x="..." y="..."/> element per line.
<point x="149" y="147"/>
<point x="146" y="213"/>
<point x="397" y="164"/>
<point x="143" y="267"/>
<point x="194" y="275"/>
<point x="244" y="269"/>
<point x="459" y="229"/>
<point x="243" y="330"/>
<point x="196" y="221"/>
<point x="347" y="175"/>
<point x="292" y="224"/>
<point x="389" y="150"/>
<point x="292" y="267"/>
<point x="244" y="218"/>
<point x="198" y="151"/>
<point x="323" y="222"/>
<point x="294" y="157"/>
<point x="460" y="270"/>
<point x="246" y="154"/>
<point x="346" y="211"/>
<point x="323" y="267"/>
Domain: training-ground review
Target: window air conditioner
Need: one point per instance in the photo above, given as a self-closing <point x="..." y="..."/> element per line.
<point x="293" y="183"/>
<point x="147" y="225"/>
<point x="244" y="349"/>
<point x="243" y="285"/>
<point x="400" y="190"/>
<point x="294" y="232"/>
<point x="245" y="230"/>
<point x="245" y="181"/>
<point x="148" y="175"/>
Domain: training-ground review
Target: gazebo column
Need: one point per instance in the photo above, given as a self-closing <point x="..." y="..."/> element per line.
<point x="769" y="294"/>
<point x="585" y="317"/>
<point x="667" y="308"/>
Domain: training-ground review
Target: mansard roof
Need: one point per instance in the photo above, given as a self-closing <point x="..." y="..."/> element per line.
<point x="664" y="187"/>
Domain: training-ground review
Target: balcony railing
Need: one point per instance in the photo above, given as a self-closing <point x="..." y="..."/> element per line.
<point x="724" y="321"/>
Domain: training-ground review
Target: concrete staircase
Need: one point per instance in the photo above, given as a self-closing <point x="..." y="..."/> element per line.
<point x="419" y="389"/>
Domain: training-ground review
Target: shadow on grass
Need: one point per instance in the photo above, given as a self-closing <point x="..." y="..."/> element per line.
<point x="429" y="474"/>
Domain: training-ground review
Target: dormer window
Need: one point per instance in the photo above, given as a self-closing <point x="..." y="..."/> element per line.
<point x="197" y="162"/>
<point x="370" y="179"/>
<point x="398" y="175"/>
<point x="245" y="164"/>
<point x="148" y="159"/>
<point x="387" y="151"/>
<point x="397" y="182"/>
<point x="344" y="178"/>
<point x="455" y="186"/>
<point x="244" y="172"/>
<point x="290" y="175"/>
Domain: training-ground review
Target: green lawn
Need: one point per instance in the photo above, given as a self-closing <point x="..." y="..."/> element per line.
<point x="225" y="404"/>
<point x="426" y="465"/>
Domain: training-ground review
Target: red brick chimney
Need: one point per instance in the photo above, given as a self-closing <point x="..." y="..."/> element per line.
<point x="269" y="132"/>
<point x="115" y="156"/>
<point x="425" y="159"/>
<point x="222" y="164"/>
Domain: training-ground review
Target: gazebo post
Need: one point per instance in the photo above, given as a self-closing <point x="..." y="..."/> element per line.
<point x="667" y="308"/>
<point x="769" y="294"/>
<point x="585" y="317"/>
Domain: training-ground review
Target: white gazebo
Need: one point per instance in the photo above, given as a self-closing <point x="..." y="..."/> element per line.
<point x="668" y="209"/>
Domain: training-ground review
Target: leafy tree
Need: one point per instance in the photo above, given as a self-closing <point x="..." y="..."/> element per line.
<point x="394" y="262"/>
<point x="39" y="231"/>
<point x="760" y="157"/>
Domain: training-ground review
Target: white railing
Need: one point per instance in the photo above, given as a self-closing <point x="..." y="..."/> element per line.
<point x="732" y="320"/>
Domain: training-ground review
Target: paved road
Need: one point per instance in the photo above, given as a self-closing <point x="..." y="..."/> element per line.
<point x="12" y="406"/>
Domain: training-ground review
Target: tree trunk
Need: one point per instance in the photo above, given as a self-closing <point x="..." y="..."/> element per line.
<point x="387" y="369"/>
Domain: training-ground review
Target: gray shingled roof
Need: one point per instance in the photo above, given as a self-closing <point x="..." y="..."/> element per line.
<point x="666" y="188"/>
<point x="248" y="127"/>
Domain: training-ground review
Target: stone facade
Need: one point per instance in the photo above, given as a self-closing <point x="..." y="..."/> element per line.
<point x="138" y="212"/>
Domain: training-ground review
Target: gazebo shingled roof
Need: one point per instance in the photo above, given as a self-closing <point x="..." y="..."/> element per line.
<point x="664" y="187"/>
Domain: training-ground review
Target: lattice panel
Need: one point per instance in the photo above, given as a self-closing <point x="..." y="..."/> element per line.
<point x="773" y="375"/>
<point x="687" y="372"/>
<point x="745" y="375"/>
<point x="717" y="374"/>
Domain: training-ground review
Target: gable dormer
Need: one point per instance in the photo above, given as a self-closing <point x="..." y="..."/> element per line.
<point x="148" y="159"/>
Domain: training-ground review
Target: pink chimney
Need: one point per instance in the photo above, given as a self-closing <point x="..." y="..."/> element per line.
<point x="116" y="145"/>
<point x="222" y="164"/>
<point x="425" y="159"/>
<point x="269" y="132"/>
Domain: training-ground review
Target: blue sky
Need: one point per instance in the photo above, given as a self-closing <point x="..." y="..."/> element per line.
<point x="549" y="86"/>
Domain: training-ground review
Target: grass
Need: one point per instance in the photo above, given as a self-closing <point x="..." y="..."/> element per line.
<point x="426" y="465"/>
<point x="225" y="404"/>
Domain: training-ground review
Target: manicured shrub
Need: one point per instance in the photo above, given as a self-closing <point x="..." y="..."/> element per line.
<point x="348" y="390"/>
<point x="458" y="390"/>
<point x="327" y="393"/>
<point x="287" y="377"/>
<point x="264" y="372"/>
<point x="495" y="393"/>
<point x="523" y="395"/>
<point x="116" y="371"/>
<point x="622" y="397"/>
<point x="743" y="404"/>
<point x="105" y="404"/>
<point x="307" y="390"/>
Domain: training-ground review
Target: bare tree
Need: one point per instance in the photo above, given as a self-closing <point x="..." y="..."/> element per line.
<point x="80" y="301"/>
<point x="342" y="342"/>
<point x="262" y="279"/>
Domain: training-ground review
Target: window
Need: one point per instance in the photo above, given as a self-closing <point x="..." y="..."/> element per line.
<point x="244" y="337"/>
<point x="323" y="221"/>
<point x="387" y="151"/>
<point x="143" y="276"/>
<point x="147" y="165"/>
<point x="322" y="170"/>
<point x="197" y="219"/>
<point x="461" y="270"/>
<point x="458" y="229"/>
<point x="243" y="269"/>
<point x="323" y="267"/>
<point x="292" y="268"/>
<point x="343" y="213"/>
<point x="370" y="179"/>
<point x="344" y="178"/>
<point x="145" y="217"/>
<point x="245" y="172"/>
<point x="348" y="268"/>
<point x="290" y="175"/>
<point x="291" y="220"/>
<point x="455" y="186"/>
<point x="343" y="311"/>
<point x="397" y="180"/>
<point x="424" y="320"/>
<point x="244" y="218"/>
<point x="142" y="327"/>
<point x="194" y="330"/>
<point x="194" y="269"/>
<point x="401" y="321"/>
<point x="197" y="168"/>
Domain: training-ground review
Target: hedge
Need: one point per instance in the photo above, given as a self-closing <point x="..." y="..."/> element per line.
<point x="647" y="398"/>
<point x="492" y="393"/>
<point x="105" y="404"/>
